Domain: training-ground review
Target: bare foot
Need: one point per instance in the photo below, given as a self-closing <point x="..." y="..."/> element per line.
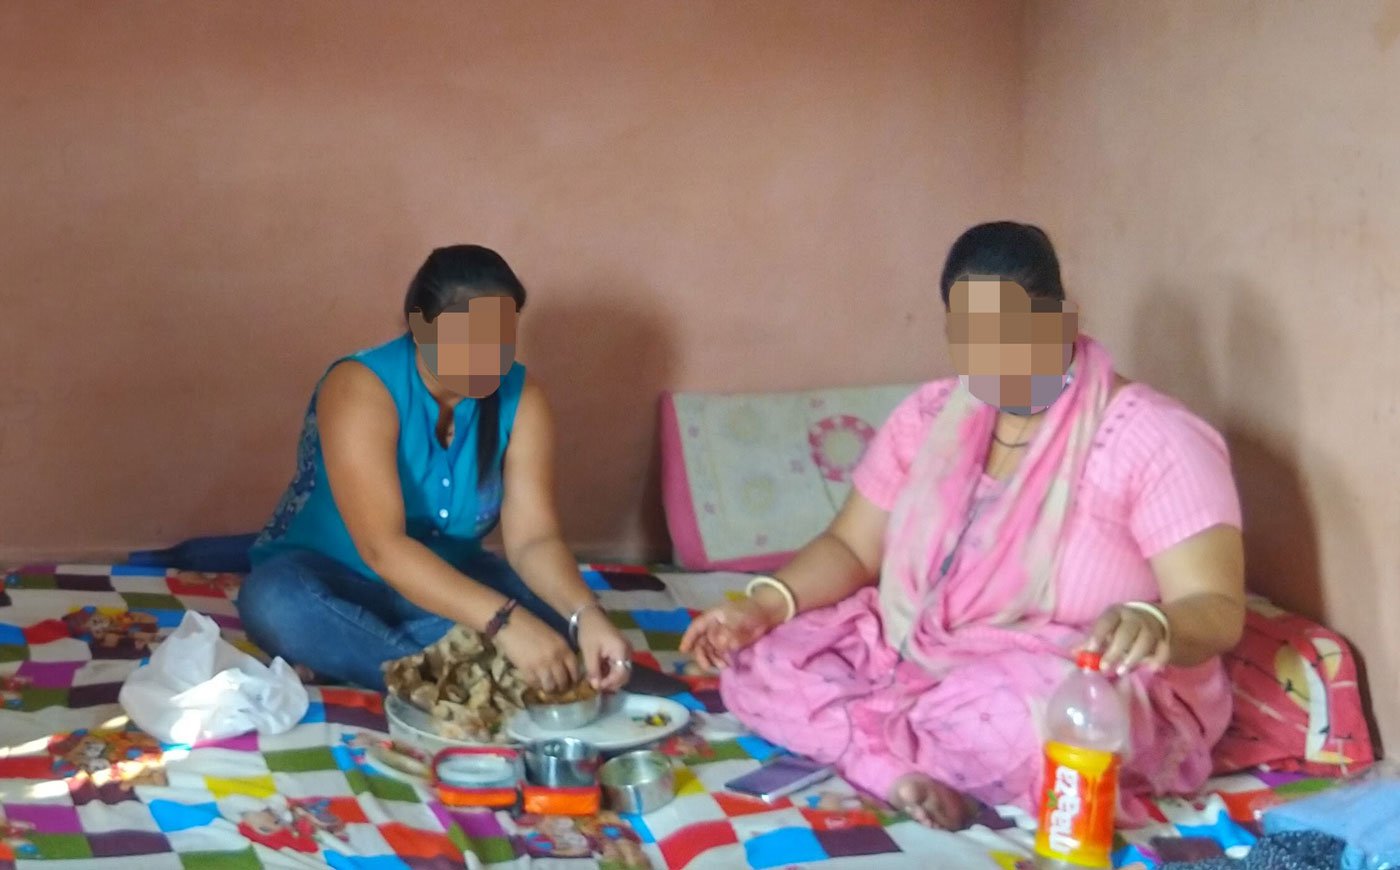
<point x="931" y="803"/>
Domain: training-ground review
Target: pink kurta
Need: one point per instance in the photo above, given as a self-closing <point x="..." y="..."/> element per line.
<point x="827" y="684"/>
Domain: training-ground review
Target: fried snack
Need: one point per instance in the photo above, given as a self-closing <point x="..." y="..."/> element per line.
<point x="581" y="691"/>
<point x="469" y="688"/>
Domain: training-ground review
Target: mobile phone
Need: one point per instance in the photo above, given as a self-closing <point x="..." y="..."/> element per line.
<point x="780" y="776"/>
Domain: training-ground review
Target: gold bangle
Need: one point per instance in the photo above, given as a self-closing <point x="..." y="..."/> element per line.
<point x="1156" y="613"/>
<point x="783" y="590"/>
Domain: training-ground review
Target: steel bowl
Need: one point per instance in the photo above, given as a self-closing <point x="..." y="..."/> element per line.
<point x="565" y="717"/>
<point x="562" y="762"/>
<point x="638" y="782"/>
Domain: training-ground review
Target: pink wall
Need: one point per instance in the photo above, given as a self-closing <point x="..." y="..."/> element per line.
<point x="1223" y="180"/>
<point x="206" y="203"/>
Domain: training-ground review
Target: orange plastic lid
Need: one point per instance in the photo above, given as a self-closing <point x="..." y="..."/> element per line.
<point x="1089" y="661"/>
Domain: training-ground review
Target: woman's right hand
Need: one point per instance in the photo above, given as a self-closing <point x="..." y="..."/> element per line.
<point x="539" y="652"/>
<point x="724" y="630"/>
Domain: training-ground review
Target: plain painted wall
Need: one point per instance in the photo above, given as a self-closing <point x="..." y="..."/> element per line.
<point x="1223" y="180"/>
<point x="205" y="204"/>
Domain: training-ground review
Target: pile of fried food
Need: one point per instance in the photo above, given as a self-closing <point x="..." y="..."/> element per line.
<point x="469" y="687"/>
<point x="464" y="683"/>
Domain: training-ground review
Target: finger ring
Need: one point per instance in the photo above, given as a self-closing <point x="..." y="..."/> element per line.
<point x="625" y="664"/>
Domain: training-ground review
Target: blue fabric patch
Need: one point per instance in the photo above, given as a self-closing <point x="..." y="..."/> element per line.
<point x="596" y="582"/>
<point x="359" y="862"/>
<point x="757" y="747"/>
<point x="1225" y="832"/>
<point x="688" y="701"/>
<point x="137" y="571"/>
<point x="784" y="847"/>
<point x="342" y="755"/>
<point x="164" y="618"/>
<point x="171" y="816"/>
<point x="315" y="712"/>
<point x="675" y="621"/>
<point x="639" y="827"/>
<point x="12" y="635"/>
<point x="1132" y="854"/>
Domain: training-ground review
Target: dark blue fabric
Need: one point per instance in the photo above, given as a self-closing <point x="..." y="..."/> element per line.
<point x="213" y="555"/>
<point x="1294" y="850"/>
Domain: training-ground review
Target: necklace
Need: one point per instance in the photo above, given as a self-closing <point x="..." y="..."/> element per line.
<point x="1012" y="445"/>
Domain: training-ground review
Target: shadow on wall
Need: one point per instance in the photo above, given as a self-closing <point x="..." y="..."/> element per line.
<point x="1282" y="541"/>
<point x="604" y="362"/>
<point x="1281" y="553"/>
<point x="1282" y="556"/>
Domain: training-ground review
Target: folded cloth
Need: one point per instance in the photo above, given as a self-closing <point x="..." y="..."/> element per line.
<point x="1292" y="850"/>
<point x="1363" y="813"/>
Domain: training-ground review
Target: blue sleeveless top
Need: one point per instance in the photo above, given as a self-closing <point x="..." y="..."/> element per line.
<point x="445" y="507"/>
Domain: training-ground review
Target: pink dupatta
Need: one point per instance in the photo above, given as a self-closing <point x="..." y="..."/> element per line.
<point x="1010" y="587"/>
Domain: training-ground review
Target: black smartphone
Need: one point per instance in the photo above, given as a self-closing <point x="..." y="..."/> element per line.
<point x="649" y="681"/>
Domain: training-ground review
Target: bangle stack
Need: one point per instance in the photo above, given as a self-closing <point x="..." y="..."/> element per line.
<point x="782" y="588"/>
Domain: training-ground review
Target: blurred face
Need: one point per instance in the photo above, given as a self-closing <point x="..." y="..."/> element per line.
<point x="468" y="347"/>
<point x="1012" y="351"/>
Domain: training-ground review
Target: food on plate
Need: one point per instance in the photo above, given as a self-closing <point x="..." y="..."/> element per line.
<point x="468" y="686"/>
<point x="581" y="691"/>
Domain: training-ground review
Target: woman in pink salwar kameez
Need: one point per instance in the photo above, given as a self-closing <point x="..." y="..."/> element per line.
<point x="999" y="521"/>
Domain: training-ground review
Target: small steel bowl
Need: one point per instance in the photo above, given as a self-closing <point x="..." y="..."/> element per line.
<point x="562" y="762"/>
<point x="564" y="717"/>
<point x="639" y="782"/>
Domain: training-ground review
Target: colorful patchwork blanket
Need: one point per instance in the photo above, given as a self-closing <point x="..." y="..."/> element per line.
<point x="81" y="787"/>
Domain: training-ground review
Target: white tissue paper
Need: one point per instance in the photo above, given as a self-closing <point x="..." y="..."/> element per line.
<point x="199" y="687"/>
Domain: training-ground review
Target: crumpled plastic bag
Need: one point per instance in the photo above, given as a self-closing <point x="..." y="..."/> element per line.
<point x="199" y="687"/>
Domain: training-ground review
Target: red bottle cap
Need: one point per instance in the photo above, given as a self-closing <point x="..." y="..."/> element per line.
<point x="1089" y="661"/>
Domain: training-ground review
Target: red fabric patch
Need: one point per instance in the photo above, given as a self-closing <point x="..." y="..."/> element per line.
<point x="26" y="767"/>
<point x="408" y="842"/>
<point x="735" y="805"/>
<point x="827" y="820"/>
<point x="207" y="586"/>
<point x="646" y="659"/>
<point x="371" y="701"/>
<point x="685" y="845"/>
<point x="347" y="809"/>
<point x="1242" y="806"/>
<point x="47" y="631"/>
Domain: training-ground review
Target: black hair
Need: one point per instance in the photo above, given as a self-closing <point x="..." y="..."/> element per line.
<point x="449" y="277"/>
<point x="1005" y="249"/>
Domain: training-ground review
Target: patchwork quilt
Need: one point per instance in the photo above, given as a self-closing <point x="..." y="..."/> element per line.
<point x="80" y="787"/>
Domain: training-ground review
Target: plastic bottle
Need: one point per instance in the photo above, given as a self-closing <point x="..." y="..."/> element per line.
<point x="1086" y="727"/>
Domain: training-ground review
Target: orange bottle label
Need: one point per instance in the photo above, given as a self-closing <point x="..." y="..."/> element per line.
<point x="1078" y="805"/>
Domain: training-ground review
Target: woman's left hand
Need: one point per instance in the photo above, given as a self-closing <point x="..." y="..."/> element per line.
<point x="606" y="653"/>
<point x="1128" y="639"/>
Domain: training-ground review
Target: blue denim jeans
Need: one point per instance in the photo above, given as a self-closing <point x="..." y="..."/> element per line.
<point x="311" y="610"/>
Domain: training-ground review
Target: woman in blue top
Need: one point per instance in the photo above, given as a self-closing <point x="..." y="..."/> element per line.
<point x="410" y="454"/>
